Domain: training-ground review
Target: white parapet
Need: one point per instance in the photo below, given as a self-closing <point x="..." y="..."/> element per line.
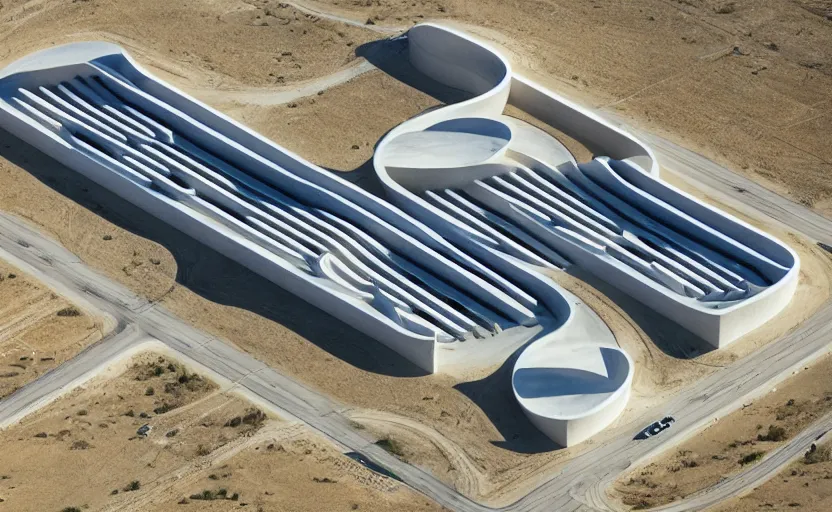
<point x="92" y="108"/>
<point x="519" y="201"/>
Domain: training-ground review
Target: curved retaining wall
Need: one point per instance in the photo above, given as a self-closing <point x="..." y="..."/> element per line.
<point x="520" y="210"/>
<point x="89" y="106"/>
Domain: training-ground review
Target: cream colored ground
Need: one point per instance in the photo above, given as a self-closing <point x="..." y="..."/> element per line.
<point x="715" y="453"/>
<point x="213" y="44"/>
<point x="83" y="450"/>
<point x="804" y="487"/>
<point x="34" y="337"/>
<point x="287" y="469"/>
<point x="471" y="434"/>
<point x="670" y="68"/>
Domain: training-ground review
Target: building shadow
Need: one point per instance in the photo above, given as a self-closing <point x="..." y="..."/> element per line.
<point x="390" y="56"/>
<point x="494" y="396"/>
<point x="364" y="176"/>
<point x="210" y="274"/>
<point x="670" y="337"/>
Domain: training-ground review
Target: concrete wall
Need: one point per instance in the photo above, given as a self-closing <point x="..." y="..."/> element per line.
<point x="711" y="273"/>
<point x="365" y="233"/>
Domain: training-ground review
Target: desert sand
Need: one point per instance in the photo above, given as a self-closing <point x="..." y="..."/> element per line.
<point x="802" y="486"/>
<point x="201" y="439"/>
<point x="676" y="75"/>
<point x="39" y="329"/>
<point x="289" y="469"/>
<point x="721" y="449"/>
<point x="747" y="83"/>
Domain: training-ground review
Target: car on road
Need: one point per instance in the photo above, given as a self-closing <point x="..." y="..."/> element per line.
<point x="655" y="428"/>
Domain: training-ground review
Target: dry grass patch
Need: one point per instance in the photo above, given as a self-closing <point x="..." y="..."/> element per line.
<point x="735" y="442"/>
<point x="39" y="330"/>
<point x="110" y="442"/>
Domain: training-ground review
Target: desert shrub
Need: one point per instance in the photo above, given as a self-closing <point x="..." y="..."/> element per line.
<point x="209" y="495"/>
<point x="774" y="433"/>
<point x="819" y="454"/>
<point x="391" y="446"/>
<point x="234" y="422"/>
<point x="80" y="445"/>
<point x="254" y="417"/>
<point x="69" y="311"/>
<point x="162" y="409"/>
<point x="71" y="509"/>
<point x="751" y="458"/>
<point x="135" y="485"/>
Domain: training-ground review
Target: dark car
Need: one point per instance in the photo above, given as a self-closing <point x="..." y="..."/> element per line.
<point x="655" y="428"/>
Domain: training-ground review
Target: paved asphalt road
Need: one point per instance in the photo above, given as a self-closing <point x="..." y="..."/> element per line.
<point x="581" y="484"/>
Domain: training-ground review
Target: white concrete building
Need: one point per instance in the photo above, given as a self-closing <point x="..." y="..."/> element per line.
<point x="516" y="198"/>
<point x="494" y="203"/>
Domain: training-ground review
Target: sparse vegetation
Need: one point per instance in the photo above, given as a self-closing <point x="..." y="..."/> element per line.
<point x="391" y="446"/>
<point x="162" y="409"/>
<point x="71" y="509"/>
<point x="80" y="445"/>
<point x="818" y="454"/>
<point x="774" y="433"/>
<point x="209" y="495"/>
<point x="69" y="311"/>
<point x="135" y="485"/>
<point x="252" y="417"/>
<point x="751" y="458"/>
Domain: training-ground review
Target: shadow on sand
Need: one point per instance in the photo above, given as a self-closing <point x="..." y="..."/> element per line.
<point x="494" y="396"/>
<point x="221" y="280"/>
<point x="210" y="274"/>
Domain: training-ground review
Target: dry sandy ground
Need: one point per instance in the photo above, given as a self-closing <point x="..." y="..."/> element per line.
<point x="719" y="450"/>
<point x="38" y="329"/>
<point x="472" y="434"/>
<point x="804" y="487"/>
<point x="669" y="66"/>
<point x="84" y="451"/>
<point x="230" y="44"/>
<point x="288" y="469"/>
